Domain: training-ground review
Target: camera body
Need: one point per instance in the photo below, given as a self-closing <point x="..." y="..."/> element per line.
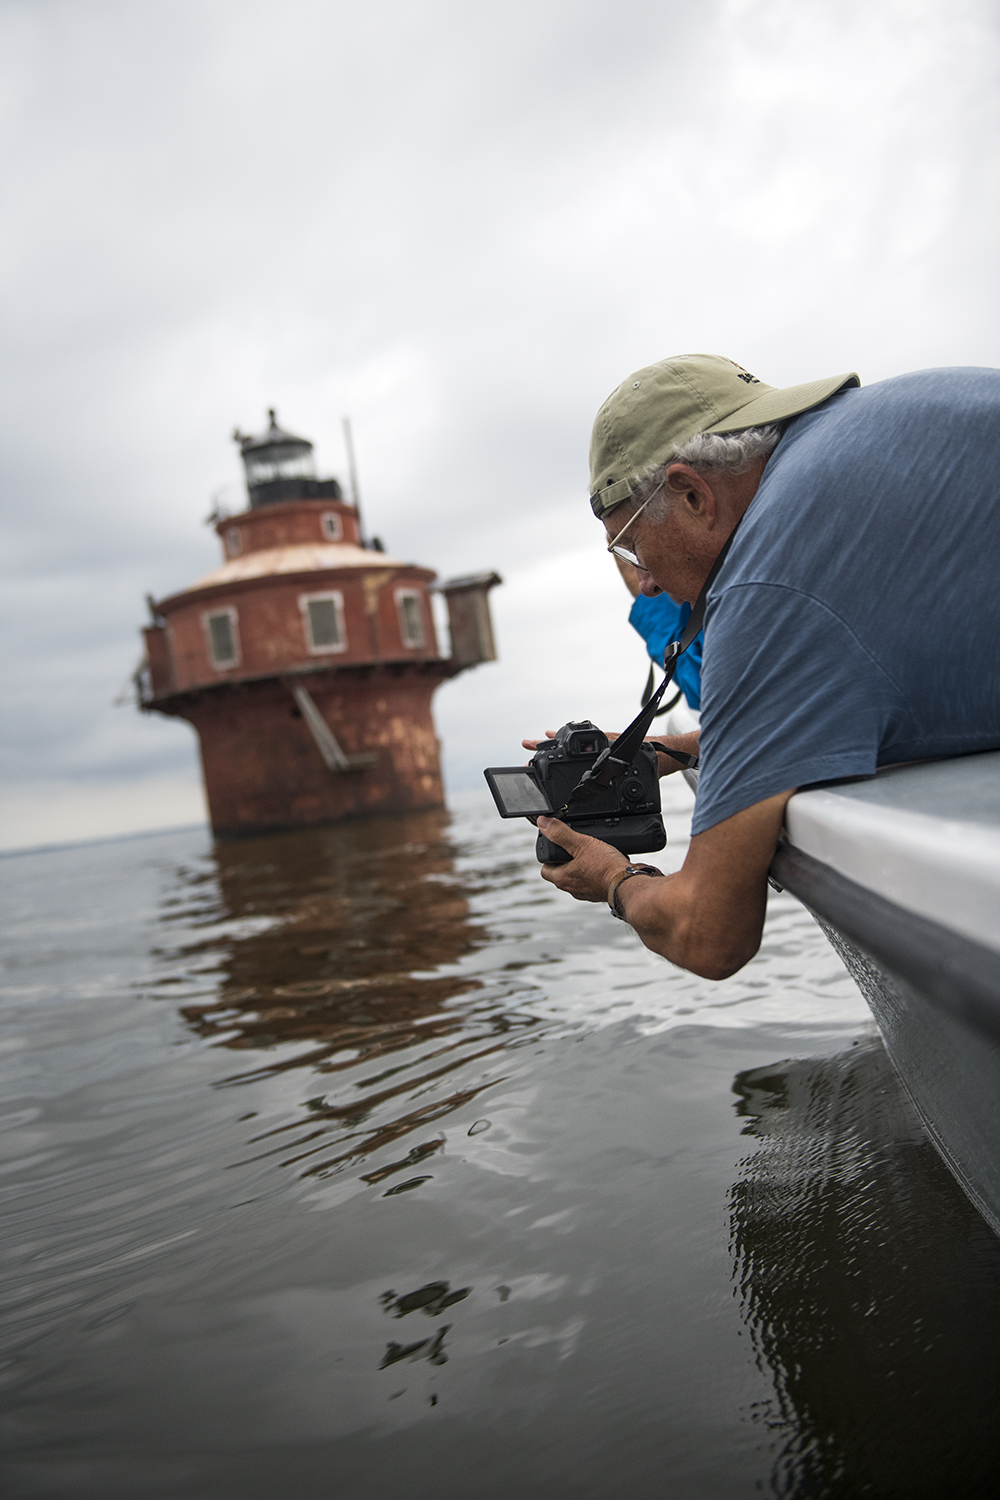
<point x="624" y="814"/>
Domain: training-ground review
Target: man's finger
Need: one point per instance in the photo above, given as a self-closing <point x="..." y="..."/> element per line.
<point x="560" y="833"/>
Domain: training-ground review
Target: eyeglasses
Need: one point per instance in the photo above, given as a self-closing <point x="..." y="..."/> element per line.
<point x="623" y="552"/>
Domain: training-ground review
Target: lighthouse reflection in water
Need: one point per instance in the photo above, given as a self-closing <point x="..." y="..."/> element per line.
<point x="352" y="1160"/>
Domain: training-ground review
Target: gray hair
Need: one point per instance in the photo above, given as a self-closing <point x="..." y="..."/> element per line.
<point x="727" y="453"/>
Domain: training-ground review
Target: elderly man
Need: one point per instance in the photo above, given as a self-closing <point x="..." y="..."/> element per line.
<point x="854" y="621"/>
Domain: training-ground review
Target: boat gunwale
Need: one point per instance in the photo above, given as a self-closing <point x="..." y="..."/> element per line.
<point x="956" y="973"/>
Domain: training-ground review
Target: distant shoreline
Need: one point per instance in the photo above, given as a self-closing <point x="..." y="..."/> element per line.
<point x="111" y="838"/>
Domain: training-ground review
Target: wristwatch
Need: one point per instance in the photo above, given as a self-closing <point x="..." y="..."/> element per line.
<point x="620" y="879"/>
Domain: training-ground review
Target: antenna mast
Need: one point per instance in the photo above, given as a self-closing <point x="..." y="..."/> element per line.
<point x="353" y="469"/>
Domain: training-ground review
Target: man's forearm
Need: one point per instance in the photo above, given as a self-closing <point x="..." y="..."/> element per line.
<point x="709" y="916"/>
<point x="669" y="917"/>
<point x="688" y="743"/>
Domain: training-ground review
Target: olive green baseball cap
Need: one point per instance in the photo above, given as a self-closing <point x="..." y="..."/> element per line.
<point x="657" y="409"/>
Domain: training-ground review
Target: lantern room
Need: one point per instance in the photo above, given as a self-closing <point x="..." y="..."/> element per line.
<point x="280" y="466"/>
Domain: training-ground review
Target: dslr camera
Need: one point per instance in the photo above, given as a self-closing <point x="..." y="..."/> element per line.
<point x="624" y="813"/>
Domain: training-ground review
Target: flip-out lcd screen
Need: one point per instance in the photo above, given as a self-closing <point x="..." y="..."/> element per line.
<point x="516" y="792"/>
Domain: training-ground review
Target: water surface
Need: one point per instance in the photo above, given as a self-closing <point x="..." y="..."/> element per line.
<point x="359" y="1162"/>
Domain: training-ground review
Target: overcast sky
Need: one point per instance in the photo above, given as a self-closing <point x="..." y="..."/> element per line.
<point x="462" y="224"/>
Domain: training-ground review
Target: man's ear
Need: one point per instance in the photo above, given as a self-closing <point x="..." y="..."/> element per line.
<point x="692" y="490"/>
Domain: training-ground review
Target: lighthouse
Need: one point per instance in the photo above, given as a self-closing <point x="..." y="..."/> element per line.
<point x="308" y="660"/>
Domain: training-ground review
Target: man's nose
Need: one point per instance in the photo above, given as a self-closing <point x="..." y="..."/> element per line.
<point x="646" y="584"/>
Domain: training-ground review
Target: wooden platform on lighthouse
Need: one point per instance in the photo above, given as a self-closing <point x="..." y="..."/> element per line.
<point x="307" y="662"/>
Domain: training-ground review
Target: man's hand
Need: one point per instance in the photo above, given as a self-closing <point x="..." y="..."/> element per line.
<point x="589" y="872"/>
<point x="550" y="734"/>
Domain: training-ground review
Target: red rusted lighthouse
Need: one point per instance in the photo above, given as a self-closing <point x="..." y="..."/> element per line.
<point x="307" y="662"/>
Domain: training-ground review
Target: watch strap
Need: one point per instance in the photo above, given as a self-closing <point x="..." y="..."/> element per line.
<point x="614" y="900"/>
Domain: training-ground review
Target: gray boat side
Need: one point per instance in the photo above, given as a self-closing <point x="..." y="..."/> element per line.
<point x="926" y="837"/>
<point x="903" y="873"/>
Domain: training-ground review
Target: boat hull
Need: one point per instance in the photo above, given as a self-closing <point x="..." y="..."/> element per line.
<point x="934" y="995"/>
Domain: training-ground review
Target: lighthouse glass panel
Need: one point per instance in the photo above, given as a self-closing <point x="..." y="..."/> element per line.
<point x="324" y="620"/>
<point x="280" y="462"/>
<point x="411" y="619"/>
<point x="221" y="632"/>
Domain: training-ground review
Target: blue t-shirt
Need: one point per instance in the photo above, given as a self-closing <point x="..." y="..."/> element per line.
<point x="856" y="620"/>
<point x="659" y="621"/>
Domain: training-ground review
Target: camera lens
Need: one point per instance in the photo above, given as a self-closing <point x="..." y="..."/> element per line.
<point x="634" y="790"/>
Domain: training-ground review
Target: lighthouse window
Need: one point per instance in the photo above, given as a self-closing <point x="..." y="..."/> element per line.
<point x="283" y="463"/>
<point x="324" y="621"/>
<point x="222" y="639"/>
<point x="332" y="528"/>
<point x="411" y="618"/>
<point x="234" y="542"/>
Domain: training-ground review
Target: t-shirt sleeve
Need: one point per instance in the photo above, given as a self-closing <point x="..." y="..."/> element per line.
<point x="789" y="697"/>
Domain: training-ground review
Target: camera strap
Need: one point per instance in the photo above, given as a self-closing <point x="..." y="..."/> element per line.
<point x="649" y="689"/>
<point x="618" y="757"/>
